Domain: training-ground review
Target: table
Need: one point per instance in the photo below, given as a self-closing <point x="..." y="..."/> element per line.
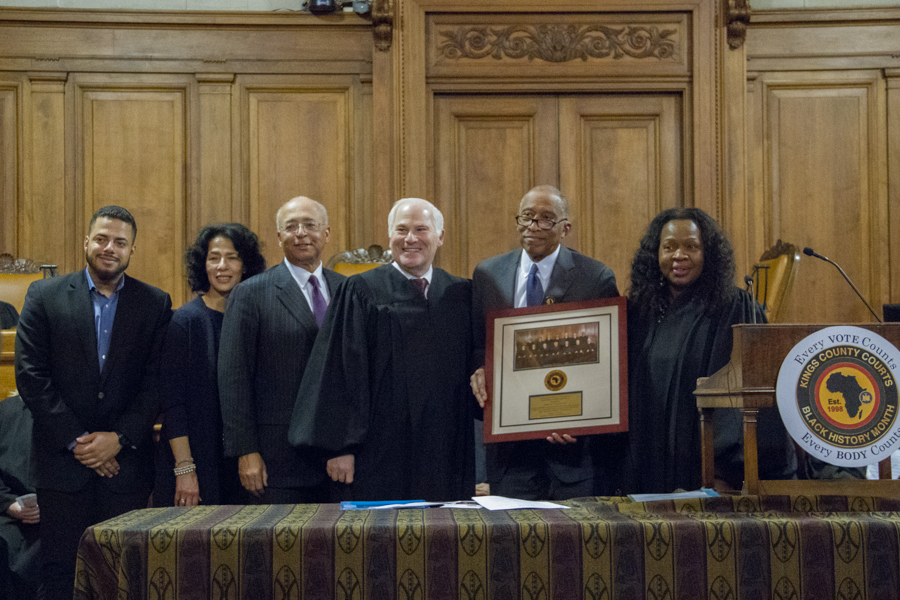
<point x="730" y="547"/>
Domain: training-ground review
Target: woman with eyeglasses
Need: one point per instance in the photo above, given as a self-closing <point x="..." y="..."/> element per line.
<point x="190" y="467"/>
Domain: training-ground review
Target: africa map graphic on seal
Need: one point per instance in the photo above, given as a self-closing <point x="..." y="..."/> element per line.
<point x="839" y="398"/>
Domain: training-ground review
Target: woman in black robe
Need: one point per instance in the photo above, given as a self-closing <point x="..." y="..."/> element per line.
<point x="190" y="464"/>
<point x="681" y="306"/>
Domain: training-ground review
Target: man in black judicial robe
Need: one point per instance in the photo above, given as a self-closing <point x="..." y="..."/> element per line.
<point x="385" y="396"/>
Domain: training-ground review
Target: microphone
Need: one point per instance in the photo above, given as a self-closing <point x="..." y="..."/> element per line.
<point x="748" y="281"/>
<point x="810" y="252"/>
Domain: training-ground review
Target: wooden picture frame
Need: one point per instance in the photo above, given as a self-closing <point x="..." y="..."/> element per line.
<point x="556" y="368"/>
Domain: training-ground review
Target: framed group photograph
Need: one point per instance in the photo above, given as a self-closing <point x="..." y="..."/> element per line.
<point x="556" y="368"/>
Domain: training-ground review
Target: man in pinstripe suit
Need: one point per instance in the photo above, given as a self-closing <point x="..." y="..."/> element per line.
<point x="271" y="322"/>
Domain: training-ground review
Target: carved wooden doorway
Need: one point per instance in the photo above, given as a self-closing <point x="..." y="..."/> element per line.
<point x="618" y="157"/>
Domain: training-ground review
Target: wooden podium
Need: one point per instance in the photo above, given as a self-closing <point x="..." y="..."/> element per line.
<point x="748" y="383"/>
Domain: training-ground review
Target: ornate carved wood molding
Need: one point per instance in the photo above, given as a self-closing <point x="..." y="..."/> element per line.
<point x="11" y="264"/>
<point x="383" y="22"/>
<point x="558" y="43"/>
<point x="737" y="17"/>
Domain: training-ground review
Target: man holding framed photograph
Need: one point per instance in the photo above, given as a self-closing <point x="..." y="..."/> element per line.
<point x="542" y="272"/>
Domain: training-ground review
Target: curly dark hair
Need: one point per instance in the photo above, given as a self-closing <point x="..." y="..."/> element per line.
<point x="245" y="242"/>
<point x="649" y="291"/>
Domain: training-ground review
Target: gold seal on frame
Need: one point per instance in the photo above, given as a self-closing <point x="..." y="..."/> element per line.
<point x="555" y="381"/>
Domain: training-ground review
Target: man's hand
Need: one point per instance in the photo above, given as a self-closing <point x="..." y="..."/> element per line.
<point x="252" y="470"/>
<point x="554" y="438"/>
<point x="97" y="448"/>
<point x="341" y="468"/>
<point x="108" y="469"/>
<point x="30" y="515"/>
<point x="477" y="383"/>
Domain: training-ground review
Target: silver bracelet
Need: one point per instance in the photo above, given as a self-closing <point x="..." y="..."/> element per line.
<point x="185" y="469"/>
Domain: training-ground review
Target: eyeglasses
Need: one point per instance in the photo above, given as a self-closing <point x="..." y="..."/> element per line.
<point x="541" y="223"/>
<point x="293" y="227"/>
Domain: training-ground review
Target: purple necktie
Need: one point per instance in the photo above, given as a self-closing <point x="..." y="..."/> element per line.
<point x="318" y="302"/>
<point x="420" y="284"/>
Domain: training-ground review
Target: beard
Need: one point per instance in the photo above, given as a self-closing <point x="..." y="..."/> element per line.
<point x="106" y="274"/>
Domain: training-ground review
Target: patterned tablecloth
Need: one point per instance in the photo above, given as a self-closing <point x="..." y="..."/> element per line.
<point x="741" y="547"/>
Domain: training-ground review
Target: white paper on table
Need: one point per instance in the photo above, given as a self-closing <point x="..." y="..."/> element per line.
<point x="503" y="503"/>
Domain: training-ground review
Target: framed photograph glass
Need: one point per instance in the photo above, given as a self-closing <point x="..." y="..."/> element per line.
<point x="556" y="368"/>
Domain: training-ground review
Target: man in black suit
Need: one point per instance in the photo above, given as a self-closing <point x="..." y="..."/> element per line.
<point x="87" y="361"/>
<point x="543" y="271"/>
<point x="271" y="322"/>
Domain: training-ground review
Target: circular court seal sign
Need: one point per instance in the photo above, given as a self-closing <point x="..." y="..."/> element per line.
<point x="837" y="395"/>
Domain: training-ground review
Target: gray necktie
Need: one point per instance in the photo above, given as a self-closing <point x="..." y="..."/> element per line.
<point x="318" y="302"/>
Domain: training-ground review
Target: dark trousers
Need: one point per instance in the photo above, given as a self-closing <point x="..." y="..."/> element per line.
<point x="64" y="517"/>
<point x="538" y="482"/>
<point x="19" y="560"/>
<point x="314" y="494"/>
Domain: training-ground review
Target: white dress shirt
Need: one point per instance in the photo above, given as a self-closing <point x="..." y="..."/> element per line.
<point x="545" y="268"/>
<point x="301" y="276"/>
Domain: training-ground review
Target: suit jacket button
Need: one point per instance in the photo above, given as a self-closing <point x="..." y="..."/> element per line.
<point x="100" y="395"/>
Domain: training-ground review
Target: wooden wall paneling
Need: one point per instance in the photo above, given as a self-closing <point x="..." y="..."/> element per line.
<point x="183" y="41"/>
<point x="367" y="225"/>
<point x="758" y="233"/>
<point x="215" y="202"/>
<point x="11" y="134"/>
<point x="893" y="169"/>
<point x="410" y="101"/>
<point x="133" y="150"/>
<point x="621" y="162"/>
<point x="385" y="142"/>
<point x="824" y="174"/>
<point x="489" y="150"/>
<point x="46" y="178"/>
<point x="298" y="133"/>
<point x="737" y="217"/>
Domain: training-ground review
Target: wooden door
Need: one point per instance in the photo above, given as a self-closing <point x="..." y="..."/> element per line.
<point x="618" y="158"/>
<point x="489" y="149"/>
<point x="621" y="163"/>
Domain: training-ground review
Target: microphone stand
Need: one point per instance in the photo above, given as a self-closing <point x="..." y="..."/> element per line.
<point x="810" y="252"/>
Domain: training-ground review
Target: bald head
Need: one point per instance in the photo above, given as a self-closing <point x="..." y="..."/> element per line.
<point x="553" y="194"/>
<point x="298" y="201"/>
<point x="302" y="231"/>
<point x="543" y="206"/>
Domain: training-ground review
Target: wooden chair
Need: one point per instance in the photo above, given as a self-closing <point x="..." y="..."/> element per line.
<point x="16" y="274"/>
<point x="773" y="277"/>
<point x="7" y="363"/>
<point x="352" y="262"/>
<point x="15" y="277"/>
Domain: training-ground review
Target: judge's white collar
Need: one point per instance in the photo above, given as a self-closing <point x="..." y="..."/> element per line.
<point x="426" y="276"/>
